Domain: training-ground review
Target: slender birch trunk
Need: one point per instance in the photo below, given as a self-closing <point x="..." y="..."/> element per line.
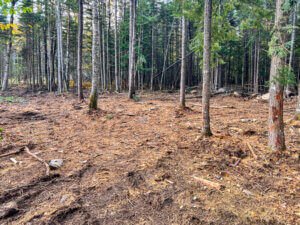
<point x="95" y="57"/>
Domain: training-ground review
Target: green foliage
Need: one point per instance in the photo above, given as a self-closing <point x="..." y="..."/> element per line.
<point x="1" y="133"/>
<point x="285" y="77"/>
<point x="276" y="47"/>
<point x="11" y="99"/>
<point x="109" y="116"/>
<point x="136" y="98"/>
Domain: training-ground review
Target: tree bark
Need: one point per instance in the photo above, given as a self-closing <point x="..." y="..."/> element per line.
<point x="276" y="126"/>
<point x="183" y="63"/>
<point x="132" y="48"/>
<point x="8" y="52"/>
<point x="79" y="50"/>
<point x="60" y="66"/>
<point x="206" y="131"/>
<point x="95" y="57"/>
<point x="116" y="46"/>
<point x="256" y="66"/>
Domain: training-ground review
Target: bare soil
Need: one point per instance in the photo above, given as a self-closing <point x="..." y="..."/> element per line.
<point x="136" y="162"/>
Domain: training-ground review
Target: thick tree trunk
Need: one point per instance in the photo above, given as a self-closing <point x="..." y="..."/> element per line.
<point x="276" y="126"/>
<point x="79" y="50"/>
<point x="183" y="63"/>
<point x="132" y="48"/>
<point x="95" y="57"/>
<point x="8" y="52"/>
<point x="206" y="68"/>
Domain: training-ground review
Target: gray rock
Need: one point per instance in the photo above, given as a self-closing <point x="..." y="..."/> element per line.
<point x="56" y="163"/>
<point x="264" y="97"/>
<point x="8" y="210"/>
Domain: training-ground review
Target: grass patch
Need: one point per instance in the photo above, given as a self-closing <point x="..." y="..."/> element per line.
<point x="1" y="133"/>
<point x="11" y="99"/>
<point x="109" y="116"/>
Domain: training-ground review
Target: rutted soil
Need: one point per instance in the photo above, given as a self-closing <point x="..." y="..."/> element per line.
<point x="135" y="163"/>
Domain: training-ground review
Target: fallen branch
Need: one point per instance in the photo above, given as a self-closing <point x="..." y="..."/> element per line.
<point x="12" y="153"/>
<point x="39" y="159"/>
<point x="210" y="183"/>
<point x="251" y="150"/>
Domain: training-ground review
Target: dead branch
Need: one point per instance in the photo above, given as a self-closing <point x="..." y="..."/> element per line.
<point x="251" y="150"/>
<point x="39" y="159"/>
<point x="209" y="183"/>
<point x="12" y="153"/>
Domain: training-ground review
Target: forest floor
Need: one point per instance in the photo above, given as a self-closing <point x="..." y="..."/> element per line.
<point x="142" y="162"/>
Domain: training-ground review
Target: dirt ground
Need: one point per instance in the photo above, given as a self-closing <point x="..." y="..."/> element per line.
<point x="136" y="162"/>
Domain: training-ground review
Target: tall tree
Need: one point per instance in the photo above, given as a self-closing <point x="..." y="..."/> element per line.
<point x="183" y="62"/>
<point x="9" y="47"/>
<point x="132" y="27"/>
<point x="116" y="46"/>
<point x="277" y="50"/>
<point x="79" y="50"/>
<point x="207" y="68"/>
<point x="95" y="56"/>
<point x="60" y="66"/>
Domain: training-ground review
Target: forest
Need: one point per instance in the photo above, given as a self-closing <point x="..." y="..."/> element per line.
<point x="150" y="112"/>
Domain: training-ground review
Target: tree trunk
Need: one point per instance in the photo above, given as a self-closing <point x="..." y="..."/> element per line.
<point x="60" y="66"/>
<point x="95" y="57"/>
<point x="132" y="48"/>
<point x="276" y="126"/>
<point x="67" y="72"/>
<point x="183" y="63"/>
<point x="293" y="36"/>
<point x="298" y="103"/>
<point x="116" y="46"/>
<point x="256" y="66"/>
<point x="79" y="50"/>
<point x="8" y="52"/>
<point x="206" y="68"/>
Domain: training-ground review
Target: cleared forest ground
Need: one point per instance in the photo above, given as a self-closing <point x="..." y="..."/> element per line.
<point x="136" y="162"/>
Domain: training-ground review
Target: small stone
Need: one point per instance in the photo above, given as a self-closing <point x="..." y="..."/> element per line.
<point x="56" y="163"/>
<point x="264" y="97"/>
<point x="8" y="210"/>
<point x="63" y="198"/>
<point x="236" y="94"/>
